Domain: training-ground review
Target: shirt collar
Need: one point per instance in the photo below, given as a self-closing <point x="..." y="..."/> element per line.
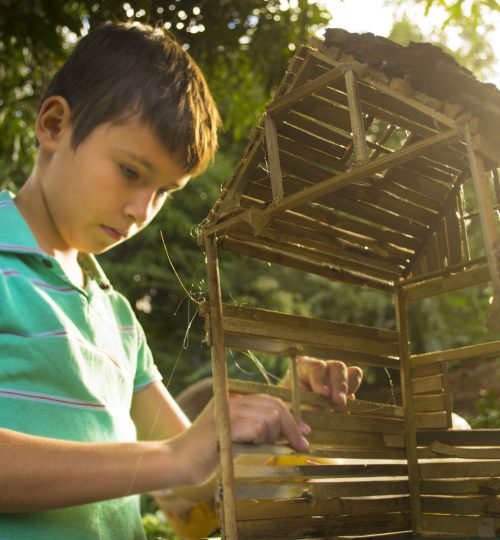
<point x="16" y="237"/>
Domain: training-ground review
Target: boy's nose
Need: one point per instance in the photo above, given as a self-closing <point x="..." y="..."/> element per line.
<point x="140" y="208"/>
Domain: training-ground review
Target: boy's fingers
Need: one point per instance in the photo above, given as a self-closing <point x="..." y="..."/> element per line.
<point x="260" y="419"/>
<point x="337" y="380"/>
<point x="354" y="378"/>
<point x="313" y="374"/>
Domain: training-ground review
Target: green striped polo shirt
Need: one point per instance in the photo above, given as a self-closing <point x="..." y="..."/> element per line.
<point x="70" y="361"/>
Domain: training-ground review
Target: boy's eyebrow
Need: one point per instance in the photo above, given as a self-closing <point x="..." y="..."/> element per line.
<point x="141" y="160"/>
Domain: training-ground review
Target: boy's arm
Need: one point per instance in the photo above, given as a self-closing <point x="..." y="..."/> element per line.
<point x="39" y="473"/>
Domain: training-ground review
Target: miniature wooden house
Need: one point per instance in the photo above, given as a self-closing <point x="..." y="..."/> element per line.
<point x="356" y="173"/>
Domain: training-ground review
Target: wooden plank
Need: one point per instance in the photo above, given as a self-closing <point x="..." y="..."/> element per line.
<point x="321" y="451"/>
<point x="329" y="489"/>
<point x="427" y="385"/>
<point x="408" y="106"/>
<point x="328" y="148"/>
<point x="341" y="260"/>
<point x="324" y="164"/>
<point x="325" y="115"/>
<point x="347" y="422"/>
<point x="390" y="202"/>
<point x="335" y="96"/>
<point x="460" y="506"/>
<point x="470" y="352"/>
<point x="488" y="222"/>
<point x="287" y="348"/>
<point x="297" y="322"/>
<point x="327" y="234"/>
<point x="355" y="439"/>
<point x="383" y="220"/>
<point x="273" y="158"/>
<point x="311" y="398"/>
<point x="294" y="388"/>
<point x="445" y="284"/>
<point x="424" y="370"/>
<point x="278" y="106"/>
<point x="221" y="395"/>
<point x="429" y="403"/>
<point x="473" y="437"/>
<point x="410" y="432"/>
<point x="460" y="469"/>
<point x="433" y="420"/>
<point x="286" y="259"/>
<point x="265" y="473"/>
<point x="331" y="136"/>
<point x="356" y="115"/>
<point x="445" y="450"/>
<point x="330" y="527"/>
<point x="252" y="155"/>
<point x="339" y="181"/>
<point x="477" y="526"/>
<point x="461" y="486"/>
<point x="254" y="510"/>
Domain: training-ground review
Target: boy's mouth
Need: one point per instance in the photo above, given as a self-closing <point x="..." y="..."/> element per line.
<point x="113" y="233"/>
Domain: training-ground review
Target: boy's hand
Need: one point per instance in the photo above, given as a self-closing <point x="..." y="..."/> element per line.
<point x="254" y="419"/>
<point x="330" y="378"/>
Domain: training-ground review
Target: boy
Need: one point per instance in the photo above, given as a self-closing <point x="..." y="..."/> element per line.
<point x="85" y="422"/>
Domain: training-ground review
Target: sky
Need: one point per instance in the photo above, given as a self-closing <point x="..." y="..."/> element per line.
<point x="377" y="17"/>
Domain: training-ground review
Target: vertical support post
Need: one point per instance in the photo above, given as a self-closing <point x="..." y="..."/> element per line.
<point x="273" y="158"/>
<point x="221" y="394"/>
<point x="294" y="387"/>
<point x="357" y="125"/>
<point x="409" y="409"/>
<point x="488" y="226"/>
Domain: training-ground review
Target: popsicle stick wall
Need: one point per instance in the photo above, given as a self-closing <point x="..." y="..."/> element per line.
<point x="357" y="173"/>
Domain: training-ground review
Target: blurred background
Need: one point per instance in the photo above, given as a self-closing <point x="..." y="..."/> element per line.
<point x="243" y="47"/>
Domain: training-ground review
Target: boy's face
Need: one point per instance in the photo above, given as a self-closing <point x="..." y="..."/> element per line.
<point x="108" y="188"/>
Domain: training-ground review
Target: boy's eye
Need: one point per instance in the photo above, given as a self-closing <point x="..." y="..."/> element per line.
<point x="129" y="173"/>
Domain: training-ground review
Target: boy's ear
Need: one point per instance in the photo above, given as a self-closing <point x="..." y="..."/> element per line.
<point x="52" y="122"/>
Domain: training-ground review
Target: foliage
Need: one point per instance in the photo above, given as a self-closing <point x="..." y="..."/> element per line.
<point x="156" y="528"/>
<point x="488" y="411"/>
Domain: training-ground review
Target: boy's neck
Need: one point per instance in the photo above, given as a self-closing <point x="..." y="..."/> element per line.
<point x="31" y="204"/>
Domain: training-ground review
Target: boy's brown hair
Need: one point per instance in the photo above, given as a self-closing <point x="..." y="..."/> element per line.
<point x="120" y="71"/>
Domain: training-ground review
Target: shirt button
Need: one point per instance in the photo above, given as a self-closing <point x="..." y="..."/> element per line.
<point x="47" y="263"/>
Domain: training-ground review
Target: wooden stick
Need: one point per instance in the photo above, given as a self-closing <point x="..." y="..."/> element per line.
<point x="353" y="407"/>
<point x="277" y="107"/>
<point x="294" y="388"/>
<point x="496" y="185"/>
<point x="486" y="213"/>
<point x="221" y="394"/>
<point x="410" y="434"/>
<point x="470" y="352"/>
<point x="273" y="158"/>
<point x="440" y="284"/>
<point x="357" y="124"/>
<point x="238" y="184"/>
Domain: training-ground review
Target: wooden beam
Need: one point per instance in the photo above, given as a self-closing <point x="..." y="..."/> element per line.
<point x="444" y="284"/>
<point x="221" y="394"/>
<point x="273" y="158"/>
<point x="282" y="104"/>
<point x="356" y="115"/>
<point x="354" y="407"/>
<point x="410" y="433"/>
<point x="486" y="212"/>
<point x="470" y="352"/>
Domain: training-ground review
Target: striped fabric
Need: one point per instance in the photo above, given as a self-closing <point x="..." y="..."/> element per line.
<point x="70" y="361"/>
